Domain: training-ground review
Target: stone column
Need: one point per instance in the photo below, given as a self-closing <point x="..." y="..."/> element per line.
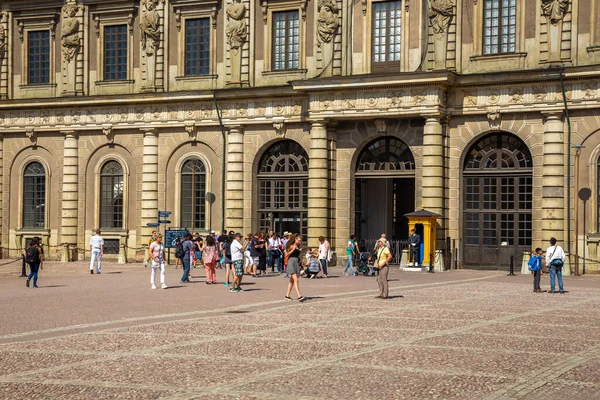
<point x="553" y="179"/>
<point x="433" y="174"/>
<point x="234" y="194"/>
<point x="318" y="184"/>
<point x="70" y="192"/>
<point x="149" y="184"/>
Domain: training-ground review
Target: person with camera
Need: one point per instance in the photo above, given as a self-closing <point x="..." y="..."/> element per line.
<point x="555" y="259"/>
<point x="237" y="260"/>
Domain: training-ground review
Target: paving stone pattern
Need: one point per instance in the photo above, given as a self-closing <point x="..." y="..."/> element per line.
<point x="453" y="335"/>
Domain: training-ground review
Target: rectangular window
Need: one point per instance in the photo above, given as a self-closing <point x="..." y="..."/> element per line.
<point x="499" y="26"/>
<point x="286" y="40"/>
<point x="115" y="52"/>
<point x="197" y="46"/>
<point x="387" y="27"/>
<point x="39" y="57"/>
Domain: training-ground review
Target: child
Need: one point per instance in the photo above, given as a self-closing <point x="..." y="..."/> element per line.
<point x="535" y="266"/>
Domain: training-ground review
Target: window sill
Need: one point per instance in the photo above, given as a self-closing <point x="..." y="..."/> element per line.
<point x="284" y="72"/>
<point x="32" y="231"/>
<point x="499" y="56"/>
<point x="113" y="232"/>
<point x="594" y="48"/>
<point x="115" y="83"/>
<point x="37" y="86"/>
<point x="196" y="77"/>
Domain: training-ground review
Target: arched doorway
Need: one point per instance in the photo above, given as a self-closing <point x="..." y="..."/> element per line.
<point x="497" y="189"/>
<point x="384" y="188"/>
<point x="283" y="188"/>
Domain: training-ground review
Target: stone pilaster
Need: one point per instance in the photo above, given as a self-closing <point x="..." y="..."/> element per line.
<point x="1" y="191"/>
<point x="234" y="194"/>
<point x="318" y="184"/>
<point x="553" y="179"/>
<point x="149" y="190"/>
<point x="70" y="194"/>
<point x="433" y="165"/>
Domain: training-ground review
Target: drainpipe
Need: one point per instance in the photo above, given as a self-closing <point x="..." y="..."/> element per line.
<point x="564" y="96"/>
<point x="224" y="135"/>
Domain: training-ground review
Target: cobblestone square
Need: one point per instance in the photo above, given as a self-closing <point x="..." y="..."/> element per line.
<point x="453" y="335"/>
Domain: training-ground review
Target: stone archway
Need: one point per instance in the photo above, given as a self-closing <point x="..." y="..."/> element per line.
<point x="497" y="200"/>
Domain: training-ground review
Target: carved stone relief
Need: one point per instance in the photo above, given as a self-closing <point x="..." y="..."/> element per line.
<point x="328" y="20"/>
<point x="237" y="33"/>
<point x="150" y="32"/>
<point x="440" y="16"/>
<point x="70" y="41"/>
<point x="554" y="10"/>
<point x="3" y="35"/>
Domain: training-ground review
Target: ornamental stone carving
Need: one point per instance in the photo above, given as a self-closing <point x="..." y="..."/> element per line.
<point x="69" y="36"/>
<point x="237" y="33"/>
<point x="236" y="29"/>
<point x="554" y="10"/>
<point x="440" y="14"/>
<point x="3" y="44"/>
<point x="328" y="20"/>
<point x="150" y="27"/>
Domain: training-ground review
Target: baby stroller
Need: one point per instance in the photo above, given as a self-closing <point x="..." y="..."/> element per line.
<point x="313" y="269"/>
<point x="365" y="264"/>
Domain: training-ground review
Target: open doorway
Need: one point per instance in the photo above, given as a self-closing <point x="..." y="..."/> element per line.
<point x="384" y="189"/>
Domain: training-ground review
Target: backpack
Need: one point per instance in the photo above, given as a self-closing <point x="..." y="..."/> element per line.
<point x="533" y="264"/>
<point x="179" y="251"/>
<point x="227" y="249"/>
<point x="32" y="255"/>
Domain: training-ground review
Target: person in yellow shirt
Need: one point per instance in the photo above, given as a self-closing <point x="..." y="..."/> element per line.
<point x="382" y="260"/>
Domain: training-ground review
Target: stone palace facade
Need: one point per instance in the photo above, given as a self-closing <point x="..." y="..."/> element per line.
<point x="338" y="117"/>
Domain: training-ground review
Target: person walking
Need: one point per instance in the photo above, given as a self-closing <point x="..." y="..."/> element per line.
<point x="535" y="266"/>
<point x="34" y="256"/>
<point x="254" y="247"/>
<point x="292" y="250"/>
<point x="96" y="250"/>
<point x="237" y="259"/>
<point x="555" y="259"/>
<point x="382" y="259"/>
<point x="414" y="242"/>
<point x="262" y="255"/>
<point x="188" y="248"/>
<point x="149" y="255"/>
<point x="157" y="256"/>
<point x="324" y="255"/>
<point x="225" y="247"/>
<point x="210" y="256"/>
<point x="350" y="250"/>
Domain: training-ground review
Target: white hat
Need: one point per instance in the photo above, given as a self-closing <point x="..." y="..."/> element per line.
<point x="212" y="232"/>
<point x="286" y="233"/>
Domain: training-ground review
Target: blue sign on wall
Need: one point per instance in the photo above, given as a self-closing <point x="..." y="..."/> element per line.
<point x="171" y="236"/>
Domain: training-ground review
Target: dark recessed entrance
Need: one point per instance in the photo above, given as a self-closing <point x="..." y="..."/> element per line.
<point x="384" y="189"/>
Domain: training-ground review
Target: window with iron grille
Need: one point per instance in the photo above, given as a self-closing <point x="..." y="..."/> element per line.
<point x="193" y="195"/>
<point x="197" y="46"/>
<point x="499" y="26"/>
<point x="386" y="34"/>
<point x="34" y="196"/>
<point x="283" y="185"/>
<point x="111" y="195"/>
<point x="111" y="246"/>
<point x="115" y="52"/>
<point x="497" y="192"/>
<point x="39" y="57"/>
<point x="286" y="40"/>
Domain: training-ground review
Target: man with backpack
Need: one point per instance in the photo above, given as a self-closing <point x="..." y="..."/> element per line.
<point x="34" y="256"/>
<point x="96" y="250"/>
<point x="555" y="259"/>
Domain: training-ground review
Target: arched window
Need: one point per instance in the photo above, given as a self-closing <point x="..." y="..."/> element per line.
<point x="497" y="184"/>
<point x="193" y="194"/>
<point x="385" y="155"/>
<point x="283" y="188"/>
<point x="34" y="196"/>
<point x="111" y="195"/>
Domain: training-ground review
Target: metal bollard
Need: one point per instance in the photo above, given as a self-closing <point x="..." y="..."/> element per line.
<point x="512" y="266"/>
<point x="23" y="267"/>
<point x="430" y="263"/>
